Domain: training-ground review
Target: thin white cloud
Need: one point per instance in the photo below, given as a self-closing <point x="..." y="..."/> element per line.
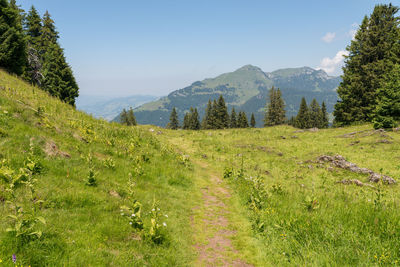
<point x="329" y="37"/>
<point x="330" y="65"/>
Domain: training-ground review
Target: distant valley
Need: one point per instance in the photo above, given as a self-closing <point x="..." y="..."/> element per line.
<point x="108" y="108"/>
<point x="245" y="89"/>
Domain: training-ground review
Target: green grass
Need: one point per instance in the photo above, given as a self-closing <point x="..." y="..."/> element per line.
<point x="285" y="210"/>
<point x="345" y="228"/>
<point x="83" y="223"/>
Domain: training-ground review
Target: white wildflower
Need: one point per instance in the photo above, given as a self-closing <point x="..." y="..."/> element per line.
<point x="166" y="215"/>
<point x="165" y="225"/>
<point x="153" y="210"/>
<point x="133" y="215"/>
<point x="130" y="223"/>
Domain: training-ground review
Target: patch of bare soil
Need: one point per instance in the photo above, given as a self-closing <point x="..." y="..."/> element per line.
<point x="213" y="252"/>
<point x="52" y="150"/>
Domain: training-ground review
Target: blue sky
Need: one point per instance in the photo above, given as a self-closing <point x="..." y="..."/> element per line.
<point x="127" y="47"/>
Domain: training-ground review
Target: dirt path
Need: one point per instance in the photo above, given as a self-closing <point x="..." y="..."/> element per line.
<point x="213" y="230"/>
<point x="216" y="249"/>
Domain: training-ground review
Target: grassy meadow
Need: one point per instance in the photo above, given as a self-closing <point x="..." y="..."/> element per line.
<point x="299" y="214"/>
<point x="83" y="223"/>
<point x="76" y="191"/>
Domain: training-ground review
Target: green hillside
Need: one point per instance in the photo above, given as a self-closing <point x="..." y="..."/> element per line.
<point x="245" y="89"/>
<point x="83" y="224"/>
<point x="77" y="191"/>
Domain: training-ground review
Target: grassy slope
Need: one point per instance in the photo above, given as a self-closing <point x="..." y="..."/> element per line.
<point x="84" y="226"/>
<point x="347" y="228"/>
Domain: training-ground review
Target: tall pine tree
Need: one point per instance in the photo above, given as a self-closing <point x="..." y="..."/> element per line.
<point x="194" y="120"/>
<point x="315" y="114"/>
<point x="12" y="40"/>
<point x="252" y="121"/>
<point x="173" y="120"/>
<point x="387" y="112"/>
<point x="207" y="122"/>
<point x="124" y="117"/>
<point x="324" y="116"/>
<point x="215" y="119"/>
<point x="59" y="80"/>
<point x="131" y="118"/>
<point x="233" y="119"/>
<point x="275" y="114"/>
<point x="186" y="121"/>
<point x="222" y="114"/>
<point x="303" y="116"/>
<point x="33" y="29"/>
<point x="373" y="52"/>
<point x="242" y="120"/>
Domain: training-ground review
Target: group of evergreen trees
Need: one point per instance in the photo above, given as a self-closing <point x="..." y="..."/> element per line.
<point x="313" y="116"/>
<point x="29" y="47"/>
<point x="370" y="87"/>
<point x="191" y="121"/>
<point x="216" y="117"/>
<point x="275" y="114"/>
<point x="308" y="117"/>
<point x="128" y="118"/>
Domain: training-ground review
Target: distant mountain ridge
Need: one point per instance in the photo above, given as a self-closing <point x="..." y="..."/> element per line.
<point x="108" y="108"/>
<point x="245" y="89"/>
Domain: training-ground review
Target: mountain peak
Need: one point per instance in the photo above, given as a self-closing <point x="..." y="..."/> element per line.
<point x="249" y="68"/>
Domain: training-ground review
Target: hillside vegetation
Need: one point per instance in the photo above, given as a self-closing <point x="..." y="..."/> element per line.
<point x="303" y="209"/>
<point x="72" y="172"/>
<point x="238" y="197"/>
<point x="245" y="89"/>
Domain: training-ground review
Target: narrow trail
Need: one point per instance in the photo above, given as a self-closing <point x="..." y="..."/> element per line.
<point x="214" y="229"/>
<point x="214" y="225"/>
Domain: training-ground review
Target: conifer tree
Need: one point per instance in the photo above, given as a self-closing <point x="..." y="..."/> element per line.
<point x="124" y="117"/>
<point x="233" y="119"/>
<point x="252" y="121"/>
<point x="215" y="119"/>
<point x="275" y="114"/>
<point x="33" y="25"/>
<point x="222" y="113"/>
<point x="12" y="40"/>
<point x="33" y="29"/>
<point x="315" y="114"/>
<point x="58" y="78"/>
<point x="280" y="108"/>
<point x="303" y="116"/>
<point x="173" y="120"/>
<point x="373" y="52"/>
<point x="194" y="120"/>
<point x="242" y="120"/>
<point x="186" y="121"/>
<point x="324" y="116"/>
<point x="387" y="112"/>
<point x="207" y="120"/>
<point x="131" y="118"/>
<point x="49" y="33"/>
